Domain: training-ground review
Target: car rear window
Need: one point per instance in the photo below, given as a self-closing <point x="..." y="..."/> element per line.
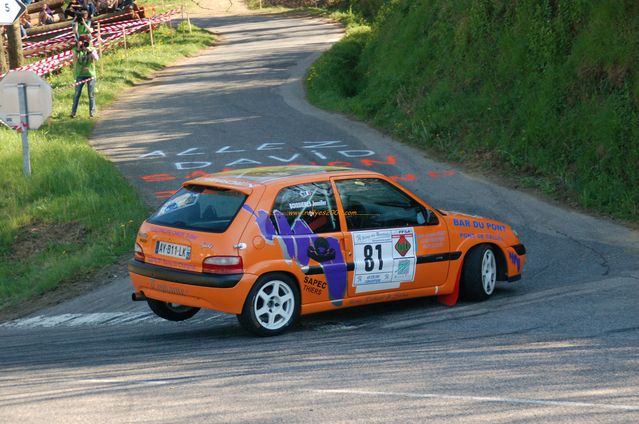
<point x="200" y="208"/>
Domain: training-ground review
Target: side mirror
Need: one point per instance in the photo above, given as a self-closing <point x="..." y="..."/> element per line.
<point x="420" y="217"/>
<point x="431" y="218"/>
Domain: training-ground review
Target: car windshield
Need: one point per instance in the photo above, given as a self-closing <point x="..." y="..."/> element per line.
<point x="200" y="208"/>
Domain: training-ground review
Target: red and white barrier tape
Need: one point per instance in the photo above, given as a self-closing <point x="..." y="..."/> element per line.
<point x="58" y="61"/>
<point x="75" y="84"/>
<point x="54" y="31"/>
<point x="111" y="28"/>
<point x="53" y="48"/>
<point x="68" y="35"/>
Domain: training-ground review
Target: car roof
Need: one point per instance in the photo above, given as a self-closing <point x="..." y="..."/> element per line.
<point x="274" y="175"/>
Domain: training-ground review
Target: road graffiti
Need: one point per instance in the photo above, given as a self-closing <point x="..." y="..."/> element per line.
<point x="198" y="161"/>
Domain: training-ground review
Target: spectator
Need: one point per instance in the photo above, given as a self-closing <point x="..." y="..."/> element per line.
<point x="103" y="6"/>
<point x="130" y="5"/>
<point x="81" y="26"/>
<point x="107" y="6"/>
<point x="46" y="15"/>
<point x="84" y="58"/>
<point x="73" y="9"/>
<point x="25" y="23"/>
<point x="92" y="10"/>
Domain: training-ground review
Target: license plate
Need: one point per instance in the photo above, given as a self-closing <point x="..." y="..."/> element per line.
<point x="173" y="250"/>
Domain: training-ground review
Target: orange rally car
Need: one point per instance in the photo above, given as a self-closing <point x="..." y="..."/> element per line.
<point x="271" y="244"/>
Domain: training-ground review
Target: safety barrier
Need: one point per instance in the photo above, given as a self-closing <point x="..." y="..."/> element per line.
<point x="66" y="40"/>
<point x="115" y="34"/>
<point x="53" y="31"/>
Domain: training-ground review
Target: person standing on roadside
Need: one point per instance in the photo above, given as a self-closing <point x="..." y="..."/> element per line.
<point x="84" y="58"/>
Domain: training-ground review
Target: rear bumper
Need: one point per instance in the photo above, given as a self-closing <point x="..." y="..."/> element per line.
<point x="224" y="293"/>
<point x="184" y="277"/>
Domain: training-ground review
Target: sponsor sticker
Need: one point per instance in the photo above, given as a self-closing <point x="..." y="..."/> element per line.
<point x="383" y="259"/>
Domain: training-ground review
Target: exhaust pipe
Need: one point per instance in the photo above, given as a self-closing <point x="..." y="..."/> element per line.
<point x="138" y="297"/>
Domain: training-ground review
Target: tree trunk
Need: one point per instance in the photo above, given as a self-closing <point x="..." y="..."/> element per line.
<point x="3" y="58"/>
<point x="16" y="59"/>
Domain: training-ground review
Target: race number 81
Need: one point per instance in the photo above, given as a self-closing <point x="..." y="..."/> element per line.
<point x="369" y="262"/>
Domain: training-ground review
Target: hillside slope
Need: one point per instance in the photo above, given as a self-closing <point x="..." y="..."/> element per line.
<point x="546" y="90"/>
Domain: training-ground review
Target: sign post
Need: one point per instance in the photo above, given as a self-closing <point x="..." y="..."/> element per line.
<point x="24" y="123"/>
<point x="10" y="10"/>
<point x="26" y="101"/>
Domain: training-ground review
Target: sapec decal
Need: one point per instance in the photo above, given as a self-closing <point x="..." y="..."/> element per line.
<point x="300" y="244"/>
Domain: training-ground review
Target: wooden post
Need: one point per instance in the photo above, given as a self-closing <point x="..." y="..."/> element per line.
<point x="16" y="58"/>
<point x="3" y="59"/>
<point x="188" y="21"/>
<point x="100" y="48"/>
<point x="151" y="32"/>
<point x="124" y="38"/>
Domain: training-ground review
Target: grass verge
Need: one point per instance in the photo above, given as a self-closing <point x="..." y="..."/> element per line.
<point x="76" y="212"/>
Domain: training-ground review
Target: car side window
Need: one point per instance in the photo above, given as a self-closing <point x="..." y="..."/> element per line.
<point x="373" y="203"/>
<point x="306" y="206"/>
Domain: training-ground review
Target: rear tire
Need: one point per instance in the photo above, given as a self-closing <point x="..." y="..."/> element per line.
<point x="479" y="273"/>
<point x="272" y="306"/>
<point x="171" y="311"/>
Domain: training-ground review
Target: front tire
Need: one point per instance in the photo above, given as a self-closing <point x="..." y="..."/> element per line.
<point x="479" y="273"/>
<point x="272" y="306"/>
<point x="171" y="311"/>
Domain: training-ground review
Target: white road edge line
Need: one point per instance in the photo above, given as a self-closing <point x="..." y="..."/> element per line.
<point x="77" y="319"/>
<point x="482" y="399"/>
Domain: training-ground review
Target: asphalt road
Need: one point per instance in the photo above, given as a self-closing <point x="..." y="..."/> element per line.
<point x="561" y="345"/>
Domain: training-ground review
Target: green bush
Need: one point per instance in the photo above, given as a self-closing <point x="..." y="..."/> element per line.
<point x="366" y="8"/>
<point x="546" y="90"/>
<point x="339" y="77"/>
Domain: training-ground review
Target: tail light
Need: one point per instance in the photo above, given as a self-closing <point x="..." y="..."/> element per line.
<point x="138" y="253"/>
<point x="223" y="265"/>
